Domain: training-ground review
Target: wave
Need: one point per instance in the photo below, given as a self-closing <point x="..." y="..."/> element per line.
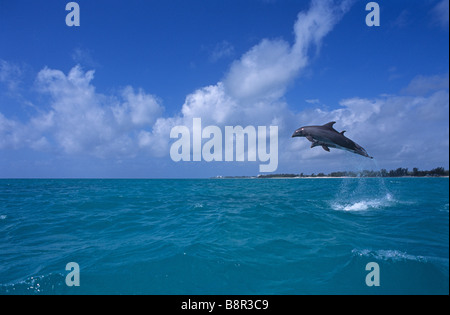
<point x="362" y="205"/>
<point x="3" y="217"/>
<point x="388" y="255"/>
<point x="46" y="284"/>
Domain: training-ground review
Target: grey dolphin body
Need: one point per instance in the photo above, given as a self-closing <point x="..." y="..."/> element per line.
<point x="327" y="137"/>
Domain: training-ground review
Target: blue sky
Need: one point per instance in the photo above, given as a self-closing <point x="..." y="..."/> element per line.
<point x="99" y="100"/>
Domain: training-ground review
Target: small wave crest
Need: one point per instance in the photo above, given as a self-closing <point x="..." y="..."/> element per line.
<point x="48" y="284"/>
<point x="3" y="217"/>
<point x="388" y="255"/>
<point x="364" y="204"/>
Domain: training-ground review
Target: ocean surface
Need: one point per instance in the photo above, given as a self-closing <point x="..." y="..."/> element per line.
<point x="225" y="236"/>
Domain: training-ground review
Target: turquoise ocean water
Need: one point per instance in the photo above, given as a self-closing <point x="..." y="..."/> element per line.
<point x="225" y="236"/>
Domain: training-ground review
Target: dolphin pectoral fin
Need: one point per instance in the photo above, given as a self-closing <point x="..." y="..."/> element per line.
<point x="314" y="144"/>
<point x="310" y="138"/>
<point x="326" y="148"/>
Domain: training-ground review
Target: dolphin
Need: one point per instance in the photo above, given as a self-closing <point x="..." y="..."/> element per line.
<point x="327" y="137"/>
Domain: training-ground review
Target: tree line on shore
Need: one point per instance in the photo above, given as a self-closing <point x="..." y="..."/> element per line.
<point x="399" y="172"/>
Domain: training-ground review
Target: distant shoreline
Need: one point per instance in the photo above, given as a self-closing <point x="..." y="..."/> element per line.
<point x="438" y="172"/>
<point x="319" y="177"/>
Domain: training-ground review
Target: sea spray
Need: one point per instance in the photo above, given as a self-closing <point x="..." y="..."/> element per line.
<point x="362" y="193"/>
<point x="366" y="204"/>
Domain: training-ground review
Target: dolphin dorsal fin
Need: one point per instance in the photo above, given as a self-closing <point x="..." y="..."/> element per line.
<point x="342" y="132"/>
<point x="329" y="125"/>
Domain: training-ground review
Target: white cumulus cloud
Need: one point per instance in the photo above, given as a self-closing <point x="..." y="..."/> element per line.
<point x="81" y="121"/>
<point x="251" y="91"/>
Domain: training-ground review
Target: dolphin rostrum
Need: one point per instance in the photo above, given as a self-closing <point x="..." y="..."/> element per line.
<point x="327" y="137"/>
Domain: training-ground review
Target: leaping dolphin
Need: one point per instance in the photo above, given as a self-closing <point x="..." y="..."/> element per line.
<point x="327" y="137"/>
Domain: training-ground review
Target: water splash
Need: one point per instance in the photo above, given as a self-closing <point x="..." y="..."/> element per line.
<point x="362" y="193"/>
<point x="363" y="205"/>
